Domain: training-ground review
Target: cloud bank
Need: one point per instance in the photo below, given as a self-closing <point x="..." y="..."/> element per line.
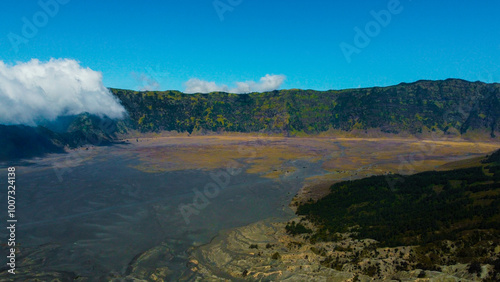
<point x="36" y="91"/>
<point x="266" y="83"/>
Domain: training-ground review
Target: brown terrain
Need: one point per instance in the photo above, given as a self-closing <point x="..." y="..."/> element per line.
<point x="263" y="251"/>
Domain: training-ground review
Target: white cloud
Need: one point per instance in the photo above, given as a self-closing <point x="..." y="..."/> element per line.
<point x="266" y="83"/>
<point x="37" y="91"/>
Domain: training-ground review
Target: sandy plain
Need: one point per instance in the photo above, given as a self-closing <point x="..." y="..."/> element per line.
<point x="83" y="207"/>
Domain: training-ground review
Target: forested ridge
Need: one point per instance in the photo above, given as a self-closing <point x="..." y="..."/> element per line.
<point x="411" y="210"/>
<point x="452" y="106"/>
<point x="441" y="221"/>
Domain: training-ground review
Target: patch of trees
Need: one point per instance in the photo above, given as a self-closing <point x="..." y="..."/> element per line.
<point x="415" y="210"/>
<point x="296" y="228"/>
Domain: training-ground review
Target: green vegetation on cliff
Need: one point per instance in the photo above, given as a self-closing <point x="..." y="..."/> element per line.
<point x="452" y="106"/>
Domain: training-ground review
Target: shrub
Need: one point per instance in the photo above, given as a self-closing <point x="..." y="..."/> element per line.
<point x="276" y="256"/>
<point x="475" y="267"/>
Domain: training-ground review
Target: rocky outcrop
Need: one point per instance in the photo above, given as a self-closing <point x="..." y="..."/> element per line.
<point x="263" y="251"/>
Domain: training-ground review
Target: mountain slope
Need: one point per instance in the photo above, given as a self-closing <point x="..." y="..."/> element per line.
<point x="451" y="106"/>
<point x="19" y="141"/>
<point x="418" y="209"/>
<point x="437" y="220"/>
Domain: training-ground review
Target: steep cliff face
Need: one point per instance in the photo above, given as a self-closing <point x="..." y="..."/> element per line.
<point x="451" y="106"/>
<point x="24" y="142"/>
<point x="19" y="141"/>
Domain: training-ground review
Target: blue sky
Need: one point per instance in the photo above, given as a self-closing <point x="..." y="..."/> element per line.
<point x="170" y="42"/>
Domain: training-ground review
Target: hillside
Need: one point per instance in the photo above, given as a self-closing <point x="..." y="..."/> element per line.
<point x="448" y="217"/>
<point x="19" y="141"/>
<point x="451" y="106"/>
<point x="420" y="208"/>
<point x="431" y="226"/>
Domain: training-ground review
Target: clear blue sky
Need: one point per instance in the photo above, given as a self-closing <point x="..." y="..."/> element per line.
<point x="174" y="41"/>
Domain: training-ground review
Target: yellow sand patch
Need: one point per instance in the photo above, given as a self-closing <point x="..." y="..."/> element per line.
<point x="269" y="156"/>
